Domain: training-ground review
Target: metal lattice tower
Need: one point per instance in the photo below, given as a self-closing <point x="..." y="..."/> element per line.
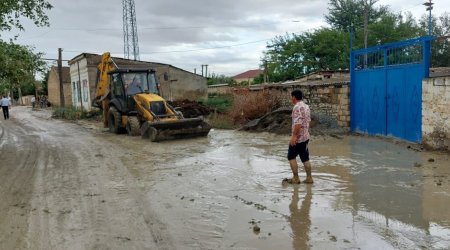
<point x="130" y="36"/>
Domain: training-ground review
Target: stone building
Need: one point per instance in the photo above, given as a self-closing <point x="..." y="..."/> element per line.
<point x="54" y="89"/>
<point x="175" y="83"/>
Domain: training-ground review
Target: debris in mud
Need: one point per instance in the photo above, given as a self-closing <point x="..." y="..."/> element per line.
<point x="431" y="160"/>
<point x="179" y="174"/>
<point x="123" y="238"/>
<point x="269" y="234"/>
<point x="192" y="200"/>
<point x="346" y="241"/>
<point x="279" y="122"/>
<point x="417" y="165"/>
<point x="67" y="211"/>
<point x="192" y="109"/>
<point x="99" y="155"/>
<point x="91" y="195"/>
<point x="256" y="229"/>
<point x="46" y="211"/>
<point x="182" y="197"/>
<point x="333" y="238"/>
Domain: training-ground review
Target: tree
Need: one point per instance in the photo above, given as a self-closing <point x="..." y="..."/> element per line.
<point x="220" y="79"/>
<point x="346" y="14"/>
<point x="291" y="56"/>
<point x="12" y="10"/>
<point x="284" y="57"/>
<point x="19" y="65"/>
<point x="440" y="50"/>
<point x="44" y="82"/>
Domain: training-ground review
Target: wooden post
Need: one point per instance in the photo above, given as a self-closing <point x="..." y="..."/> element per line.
<point x="61" y="88"/>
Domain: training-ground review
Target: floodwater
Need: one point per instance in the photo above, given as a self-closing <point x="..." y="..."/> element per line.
<point x="210" y="193"/>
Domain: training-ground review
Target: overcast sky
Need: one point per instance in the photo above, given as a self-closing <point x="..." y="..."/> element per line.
<point x="228" y="35"/>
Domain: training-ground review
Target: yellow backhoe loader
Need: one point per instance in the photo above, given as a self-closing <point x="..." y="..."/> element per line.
<point x="131" y="102"/>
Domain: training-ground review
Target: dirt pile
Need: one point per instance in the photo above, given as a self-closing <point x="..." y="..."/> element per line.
<point x="279" y="122"/>
<point x="191" y="109"/>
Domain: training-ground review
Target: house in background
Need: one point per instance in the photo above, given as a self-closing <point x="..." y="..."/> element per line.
<point x="248" y="76"/>
<point x="54" y="89"/>
<point x="175" y="84"/>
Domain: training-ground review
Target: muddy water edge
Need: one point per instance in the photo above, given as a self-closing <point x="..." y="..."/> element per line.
<point x="368" y="193"/>
<point x="68" y="186"/>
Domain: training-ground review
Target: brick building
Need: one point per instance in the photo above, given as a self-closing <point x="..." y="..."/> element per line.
<point x="53" y="87"/>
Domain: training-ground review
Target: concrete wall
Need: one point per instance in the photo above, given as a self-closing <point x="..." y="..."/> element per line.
<point x="26" y="100"/>
<point x="219" y="89"/>
<point x="54" y="90"/>
<point x="81" y="84"/>
<point x="331" y="100"/>
<point x="436" y="113"/>
<point x="182" y="85"/>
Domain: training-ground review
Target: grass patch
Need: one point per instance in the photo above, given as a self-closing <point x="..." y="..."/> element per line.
<point x="221" y="103"/>
<point x="72" y="113"/>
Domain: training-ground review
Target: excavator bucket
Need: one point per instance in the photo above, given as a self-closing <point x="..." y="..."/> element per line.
<point x="177" y="129"/>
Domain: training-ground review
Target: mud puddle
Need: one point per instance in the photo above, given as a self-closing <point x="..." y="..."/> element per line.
<point x="77" y="187"/>
<point x="368" y="193"/>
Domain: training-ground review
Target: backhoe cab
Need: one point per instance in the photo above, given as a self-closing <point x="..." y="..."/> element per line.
<point x="131" y="102"/>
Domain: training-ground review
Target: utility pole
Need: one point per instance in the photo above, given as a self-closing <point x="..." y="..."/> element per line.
<point x="265" y="71"/>
<point x="429" y="5"/>
<point x="61" y="87"/>
<point x="206" y="74"/>
<point x="195" y="70"/>
<point x="202" y="69"/>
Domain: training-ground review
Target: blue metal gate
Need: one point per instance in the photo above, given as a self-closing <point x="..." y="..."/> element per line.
<point x="386" y="88"/>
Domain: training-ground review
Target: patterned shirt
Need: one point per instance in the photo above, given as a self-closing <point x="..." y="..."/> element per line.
<point x="301" y="115"/>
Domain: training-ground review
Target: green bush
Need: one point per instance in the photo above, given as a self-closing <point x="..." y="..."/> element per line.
<point x="221" y="103"/>
<point x="72" y="113"/>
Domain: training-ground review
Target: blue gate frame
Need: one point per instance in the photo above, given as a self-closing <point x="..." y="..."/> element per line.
<point x="386" y="88"/>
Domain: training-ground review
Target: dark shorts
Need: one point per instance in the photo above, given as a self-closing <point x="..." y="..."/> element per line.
<point x="299" y="149"/>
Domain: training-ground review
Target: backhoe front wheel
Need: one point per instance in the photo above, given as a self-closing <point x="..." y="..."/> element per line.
<point x="114" y="120"/>
<point x="133" y="126"/>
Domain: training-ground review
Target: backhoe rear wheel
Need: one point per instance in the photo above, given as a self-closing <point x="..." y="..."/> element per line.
<point x="114" y="120"/>
<point x="133" y="126"/>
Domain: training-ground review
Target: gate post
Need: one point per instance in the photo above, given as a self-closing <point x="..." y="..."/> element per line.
<point x="352" y="89"/>
<point x="427" y="57"/>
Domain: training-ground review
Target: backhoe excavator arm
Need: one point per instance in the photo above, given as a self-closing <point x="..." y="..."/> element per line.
<point x="102" y="89"/>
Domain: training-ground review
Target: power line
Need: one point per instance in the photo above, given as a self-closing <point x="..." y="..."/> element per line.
<point x="183" y="51"/>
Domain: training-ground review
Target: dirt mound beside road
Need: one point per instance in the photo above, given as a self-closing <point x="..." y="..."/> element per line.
<point x="279" y="122"/>
<point x="191" y="109"/>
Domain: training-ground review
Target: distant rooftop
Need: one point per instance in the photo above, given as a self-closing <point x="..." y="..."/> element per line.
<point x="249" y="74"/>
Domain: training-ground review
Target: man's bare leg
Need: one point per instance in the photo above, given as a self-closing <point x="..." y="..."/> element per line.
<point x="309" y="178"/>
<point x="294" y="168"/>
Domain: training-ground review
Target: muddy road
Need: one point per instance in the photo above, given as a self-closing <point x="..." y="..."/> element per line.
<point x="75" y="186"/>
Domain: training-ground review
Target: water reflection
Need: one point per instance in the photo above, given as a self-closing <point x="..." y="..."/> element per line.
<point x="388" y="184"/>
<point x="300" y="220"/>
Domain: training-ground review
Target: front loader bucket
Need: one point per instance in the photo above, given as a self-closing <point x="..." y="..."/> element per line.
<point x="168" y="130"/>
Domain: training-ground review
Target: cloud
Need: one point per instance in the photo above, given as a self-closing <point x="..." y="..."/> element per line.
<point x="228" y="35"/>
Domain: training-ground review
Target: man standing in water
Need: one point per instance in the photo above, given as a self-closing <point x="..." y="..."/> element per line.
<point x="298" y="145"/>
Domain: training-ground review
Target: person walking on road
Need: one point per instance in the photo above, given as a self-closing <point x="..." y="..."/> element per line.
<point x="33" y="102"/>
<point x="5" y="103"/>
<point x="298" y="145"/>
